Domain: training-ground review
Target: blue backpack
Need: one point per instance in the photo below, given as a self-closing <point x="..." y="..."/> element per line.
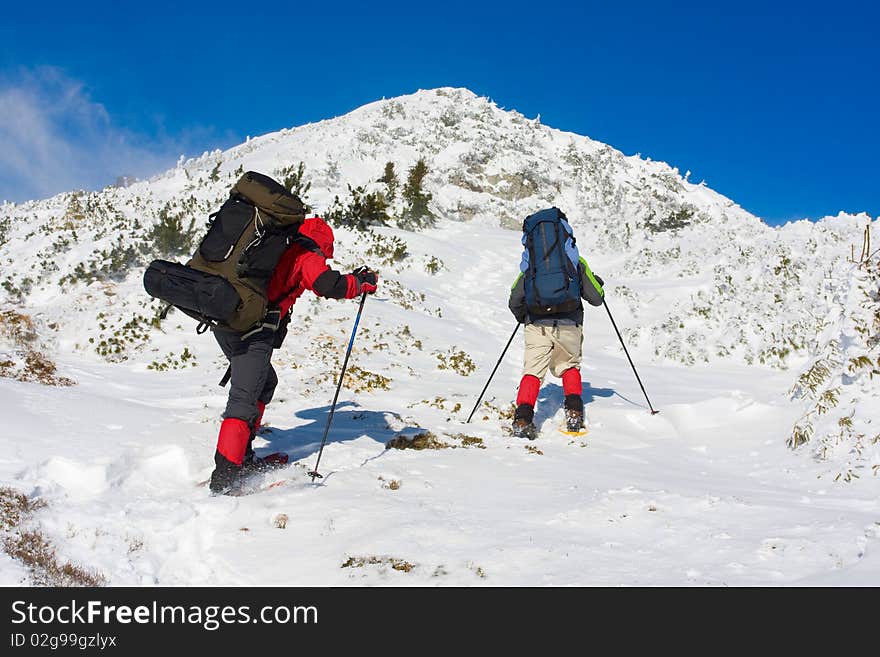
<point x="549" y="266"/>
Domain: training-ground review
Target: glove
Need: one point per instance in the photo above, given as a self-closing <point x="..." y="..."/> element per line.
<point x="367" y="280"/>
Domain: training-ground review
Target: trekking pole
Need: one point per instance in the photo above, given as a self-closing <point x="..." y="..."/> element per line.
<point x="314" y="473"/>
<point x="493" y="374"/>
<point x="619" y="337"/>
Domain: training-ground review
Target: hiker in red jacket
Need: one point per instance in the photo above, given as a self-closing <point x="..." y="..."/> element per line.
<point x="252" y="384"/>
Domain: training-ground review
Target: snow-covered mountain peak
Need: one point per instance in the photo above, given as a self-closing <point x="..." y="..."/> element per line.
<point x="693" y="277"/>
<point x="747" y="337"/>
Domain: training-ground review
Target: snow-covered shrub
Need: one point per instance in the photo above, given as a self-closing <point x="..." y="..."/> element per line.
<point x="22" y="354"/>
<point x="840" y="386"/>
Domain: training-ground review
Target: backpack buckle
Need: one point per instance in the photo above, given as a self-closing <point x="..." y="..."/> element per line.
<point x="272" y="320"/>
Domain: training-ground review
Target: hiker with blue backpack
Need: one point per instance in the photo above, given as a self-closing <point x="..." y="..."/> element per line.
<point x="546" y="298"/>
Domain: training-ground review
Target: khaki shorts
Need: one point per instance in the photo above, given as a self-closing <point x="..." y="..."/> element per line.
<point x="557" y="348"/>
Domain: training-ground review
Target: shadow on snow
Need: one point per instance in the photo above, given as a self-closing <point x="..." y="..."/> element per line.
<point x="552" y="398"/>
<point x="350" y="422"/>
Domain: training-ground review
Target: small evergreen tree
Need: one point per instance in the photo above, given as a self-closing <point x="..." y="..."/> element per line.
<point x="389" y="177"/>
<point x="335" y="212"/>
<point x="416" y="213"/>
<point x="364" y="210"/>
<point x="169" y="235"/>
<point x="293" y="180"/>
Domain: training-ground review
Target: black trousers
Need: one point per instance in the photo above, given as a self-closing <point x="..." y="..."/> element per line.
<point x="253" y="377"/>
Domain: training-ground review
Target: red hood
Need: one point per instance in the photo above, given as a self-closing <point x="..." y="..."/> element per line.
<point x="317" y="229"/>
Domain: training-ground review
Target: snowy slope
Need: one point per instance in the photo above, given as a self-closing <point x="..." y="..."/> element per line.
<point x="723" y="314"/>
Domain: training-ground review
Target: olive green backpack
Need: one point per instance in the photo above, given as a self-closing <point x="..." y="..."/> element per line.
<point x="224" y="283"/>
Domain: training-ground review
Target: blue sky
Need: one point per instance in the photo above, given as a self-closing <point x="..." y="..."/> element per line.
<point x="774" y="107"/>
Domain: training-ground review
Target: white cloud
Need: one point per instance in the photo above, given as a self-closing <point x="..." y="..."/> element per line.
<point x="54" y="137"/>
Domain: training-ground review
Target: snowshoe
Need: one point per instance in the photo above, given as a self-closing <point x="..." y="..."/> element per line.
<point x="574" y="424"/>
<point x="256" y="464"/>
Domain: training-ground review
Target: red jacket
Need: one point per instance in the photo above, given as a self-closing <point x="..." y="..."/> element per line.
<point x="301" y="269"/>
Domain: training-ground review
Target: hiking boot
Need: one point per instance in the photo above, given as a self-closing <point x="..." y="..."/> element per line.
<point x="574" y="420"/>
<point x="574" y="403"/>
<point x="226" y="476"/>
<point x="524" y="412"/>
<point x="523" y="428"/>
<point x="574" y="413"/>
<point x="249" y="455"/>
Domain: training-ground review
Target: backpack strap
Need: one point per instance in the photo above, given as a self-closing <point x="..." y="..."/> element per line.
<point x="308" y="244"/>
<point x="204" y="323"/>
<point x="563" y="258"/>
<point x="271" y="321"/>
<point x="530" y="245"/>
<point x="273" y="318"/>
